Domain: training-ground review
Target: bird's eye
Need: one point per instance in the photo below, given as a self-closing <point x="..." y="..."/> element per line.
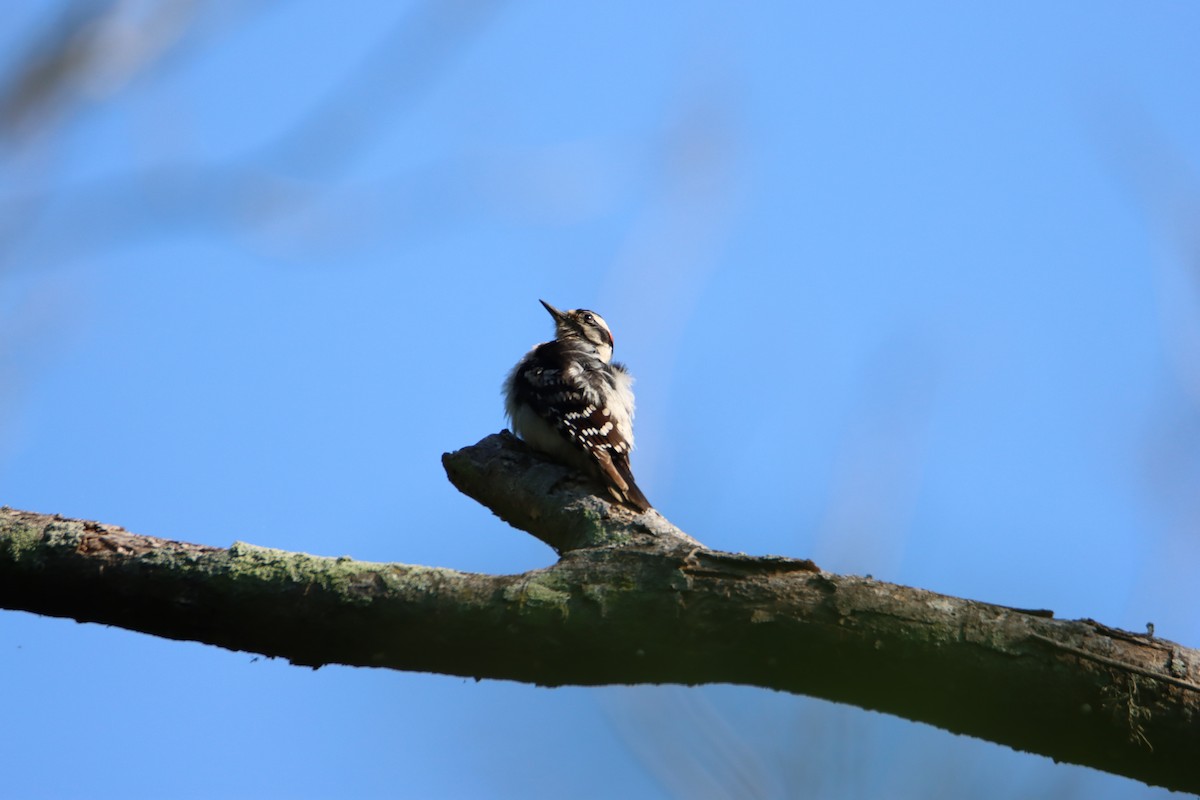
<point x="588" y="318"/>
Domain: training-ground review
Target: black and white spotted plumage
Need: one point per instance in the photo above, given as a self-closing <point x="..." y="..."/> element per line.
<point x="570" y="400"/>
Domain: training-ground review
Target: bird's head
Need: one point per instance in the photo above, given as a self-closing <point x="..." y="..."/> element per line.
<point x="585" y="326"/>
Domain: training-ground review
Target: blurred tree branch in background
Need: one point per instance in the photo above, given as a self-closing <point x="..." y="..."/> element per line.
<point x="96" y="49"/>
<point x="634" y="600"/>
<point x="91" y="50"/>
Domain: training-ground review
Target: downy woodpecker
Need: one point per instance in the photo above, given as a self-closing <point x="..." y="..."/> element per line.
<point x="570" y="400"/>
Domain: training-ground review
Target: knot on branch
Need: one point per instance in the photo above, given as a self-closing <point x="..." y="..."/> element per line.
<point x="554" y="503"/>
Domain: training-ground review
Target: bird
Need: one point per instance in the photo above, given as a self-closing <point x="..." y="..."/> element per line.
<point x="568" y="399"/>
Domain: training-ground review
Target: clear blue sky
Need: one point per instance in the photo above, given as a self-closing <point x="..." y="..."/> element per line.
<point x="906" y="289"/>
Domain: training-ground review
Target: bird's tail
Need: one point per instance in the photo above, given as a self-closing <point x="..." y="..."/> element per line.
<point x="635" y="498"/>
<point x="622" y="486"/>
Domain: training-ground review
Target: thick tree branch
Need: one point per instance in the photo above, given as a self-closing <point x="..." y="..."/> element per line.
<point x="633" y="600"/>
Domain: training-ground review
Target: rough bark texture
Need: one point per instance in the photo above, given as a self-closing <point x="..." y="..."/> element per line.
<point x="633" y="600"/>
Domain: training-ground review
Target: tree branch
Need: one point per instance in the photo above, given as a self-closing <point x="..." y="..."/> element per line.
<point x="634" y="600"/>
<point x="558" y="506"/>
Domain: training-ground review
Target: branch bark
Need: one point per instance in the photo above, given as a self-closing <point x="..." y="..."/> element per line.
<point x="634" y="600"/>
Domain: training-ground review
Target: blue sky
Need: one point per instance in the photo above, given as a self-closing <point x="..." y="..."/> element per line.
<point x="906" y="290"/>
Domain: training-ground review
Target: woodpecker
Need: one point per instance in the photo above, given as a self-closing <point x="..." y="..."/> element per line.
<point x="568" y="399"/>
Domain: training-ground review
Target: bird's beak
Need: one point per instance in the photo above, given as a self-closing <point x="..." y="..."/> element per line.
<point x="554" y="312"/>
